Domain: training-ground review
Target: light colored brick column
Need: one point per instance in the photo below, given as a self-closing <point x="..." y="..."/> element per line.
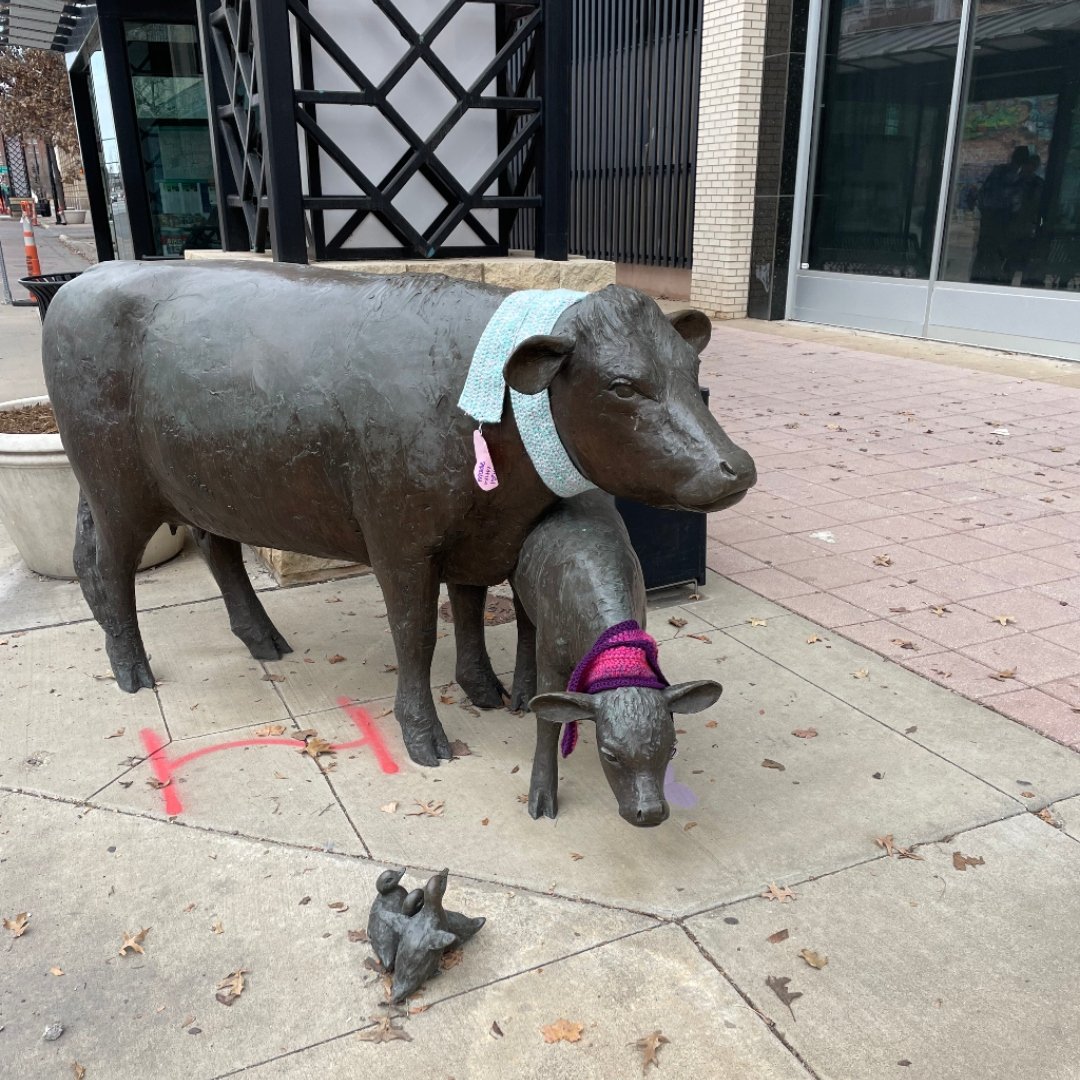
<point x="732" y="54"/>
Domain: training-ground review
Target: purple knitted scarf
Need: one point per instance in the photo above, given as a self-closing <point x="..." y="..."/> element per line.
<point x="623" y="655"/>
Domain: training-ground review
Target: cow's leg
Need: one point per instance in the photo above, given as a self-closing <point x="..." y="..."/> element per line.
<point x="106" y="556"/>
<point x="412" y="601"/>
<point x="474" y="672"/>
<point x="524" y="661"/>
<point x="544" y="783"/>
<point x="247" y="616"/>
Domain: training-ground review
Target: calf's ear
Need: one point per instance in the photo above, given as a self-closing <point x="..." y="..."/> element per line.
<point x="535" y="362"/>
<point x="693" y="326"/>
<point x="563" y="708"/>
<point x="691" y="697"/>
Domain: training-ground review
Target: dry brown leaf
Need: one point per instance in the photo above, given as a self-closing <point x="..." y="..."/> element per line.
<point x="316" y="746"/>
<point x="523" y="798"/>
<point x="676" y="622"/>
<point x="780" y="935"/>
<point x="337" y="658"/>
<point x="1007" y="673"/>
<point x="562" y="1031"/>
<point x="134" y="942"/>
<point x="460" y="749"/>
<point x="78" y="1071"/>
<point x="1003" y="619"/>
<point x="779" y="986"/>
<point x="962" y="862"/>
<point x="384" y="1031"/>
<point x="17" y="924"/>
<point x="188" y="908"/>
<point x="941" y="611"/>
<point x="116" y="734"/>
<point x="689" y="825"/>
<point x="1027" y="794"/>
<point x="451" y="958"/>
<point x="496" y="1031"/>
<point x="1046" y="815"/>
<point x="701" y="637"/>
<point x="805" y="733"/>
<point x="711" y="723"/>
<point x="155" y="783"/>
<point x="862" y="673"/>
<point x="231" y="987"/>
<point x="1057" y="449"/>
<point x="271" y="676"/>
<point x="339" y="906"/>
<point x="883" y="560"/>
<point x="269" y="729"/>
<point x="485" y="821"/>
<point x="903" y="643"/>
<point x="886" y="842"/>
<point x="768" y="763"/>
<point x="813" y="639"/>
<point x="389" y="808"/>
<point x="332" y="600"/>
<point x="217" y="927"/>
<point x="576" y="856"/>
<point x="432" y="808"/>
<point x="649" y="1046"/>
<point x="814" y="959"/>
<point x="56" y="971"/>
<point x="446" y="699"/>
<point x="778" y="892"/>
<point x="358" y="935"/>
<point x="758" y="622"/>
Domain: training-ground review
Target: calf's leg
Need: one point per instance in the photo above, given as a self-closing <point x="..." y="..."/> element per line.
<point x="107" y="552"/>
<point x="544" y="783"/>
<point x="474" y="673"/>
<point x="411" y="594"/>
<point x="524" y="661"/>
<point x="247" y="616"/>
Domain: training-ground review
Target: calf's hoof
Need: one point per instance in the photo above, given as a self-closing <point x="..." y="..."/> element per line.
<point x="133" y="675"/>
<point x="543" y="804"/>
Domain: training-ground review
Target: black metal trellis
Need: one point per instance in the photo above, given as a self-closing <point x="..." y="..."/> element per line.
<point x="258" y="159"/>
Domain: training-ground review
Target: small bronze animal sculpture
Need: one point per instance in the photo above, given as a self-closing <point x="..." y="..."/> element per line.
<point x="316" y="411"/>
<point x="462" y="926"/>
<point x="423" y="938"/>
<point x="580" y="600"/>
<point x="389" y="900"/>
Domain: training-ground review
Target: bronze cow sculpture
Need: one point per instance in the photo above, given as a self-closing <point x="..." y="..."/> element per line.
<point x="315" y="411"/>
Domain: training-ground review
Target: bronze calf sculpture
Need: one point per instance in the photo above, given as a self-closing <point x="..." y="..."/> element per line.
<point x="580" y="600"/>
<point x="316" y="411"/>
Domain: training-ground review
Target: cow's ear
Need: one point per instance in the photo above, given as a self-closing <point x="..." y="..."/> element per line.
<point x="693" y="326"/>
<point x="535" y="362"/>
<point x="563" y="708"/>
<point x="692" y="697"/>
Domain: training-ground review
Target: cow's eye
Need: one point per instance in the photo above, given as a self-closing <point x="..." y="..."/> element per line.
<point x="623" y="388"/>
<point x="607" y="755"/>
<point x="674" y="751"/>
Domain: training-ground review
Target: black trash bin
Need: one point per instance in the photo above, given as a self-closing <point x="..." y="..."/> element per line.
<point x="44" y="208"/>
<point x="671" y="544"/>
<point x="43" y="287"/>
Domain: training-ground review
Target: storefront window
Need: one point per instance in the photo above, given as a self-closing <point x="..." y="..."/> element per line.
<point x="174" y="135"/>
<point x="1015" y="207"/>
<point x="888" y="76"/>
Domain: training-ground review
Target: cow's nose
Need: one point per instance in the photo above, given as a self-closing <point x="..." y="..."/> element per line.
<point x="727" y="470"/>
<point x="651" y="814"/>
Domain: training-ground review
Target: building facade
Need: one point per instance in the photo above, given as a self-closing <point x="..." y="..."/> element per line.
<point x="916" y="167"/>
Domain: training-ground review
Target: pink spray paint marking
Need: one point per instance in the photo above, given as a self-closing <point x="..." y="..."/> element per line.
<point x="165" y="768"/>
<point x="484" y="471"/>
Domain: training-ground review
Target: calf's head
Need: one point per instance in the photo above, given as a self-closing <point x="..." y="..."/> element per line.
<point x="623" y="382"/>
<point x="635" y="735"/>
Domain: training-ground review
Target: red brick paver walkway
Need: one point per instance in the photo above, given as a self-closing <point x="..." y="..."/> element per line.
<point x="930" y="513"/>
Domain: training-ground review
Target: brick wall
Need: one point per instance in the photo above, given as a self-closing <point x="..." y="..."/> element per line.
<point x="732" y="50"/>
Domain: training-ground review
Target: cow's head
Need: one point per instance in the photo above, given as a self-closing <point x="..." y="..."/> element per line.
<point x="635" y="735"/>
<point x="623" y="382"/>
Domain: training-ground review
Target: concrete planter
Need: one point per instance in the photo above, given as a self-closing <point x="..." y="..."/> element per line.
<point x="75" y="217"/>
<point x="39" y="497"/>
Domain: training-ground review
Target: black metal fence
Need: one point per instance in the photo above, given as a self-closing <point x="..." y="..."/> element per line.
<point x="636" y="68"/>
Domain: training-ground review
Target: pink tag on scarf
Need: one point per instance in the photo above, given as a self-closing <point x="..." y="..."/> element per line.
<point x="484" y="470"/>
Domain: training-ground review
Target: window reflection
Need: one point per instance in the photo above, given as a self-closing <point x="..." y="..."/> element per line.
<point x="888" y="76"/>
<point x="1015" y="207"/>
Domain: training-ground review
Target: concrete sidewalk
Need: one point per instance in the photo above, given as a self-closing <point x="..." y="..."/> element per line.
<point x="958" y="963"/>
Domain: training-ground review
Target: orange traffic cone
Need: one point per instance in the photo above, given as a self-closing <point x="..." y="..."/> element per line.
<point x="33" y="263"/>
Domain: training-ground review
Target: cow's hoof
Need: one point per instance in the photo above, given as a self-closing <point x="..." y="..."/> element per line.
<point x="133" y="676"/>
<point x="543" y="804"/>
<point x="484" y="691"/>
<point x="428" y="747"/>
<point x="519" y="701"/>
<point x="266" y="646"/>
